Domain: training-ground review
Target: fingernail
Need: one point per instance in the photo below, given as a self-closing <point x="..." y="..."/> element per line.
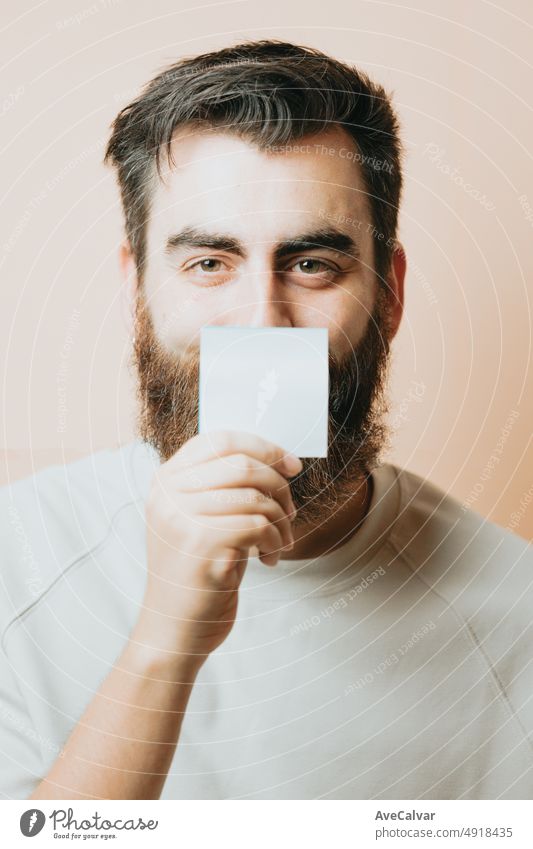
<point x="293" y="464"/>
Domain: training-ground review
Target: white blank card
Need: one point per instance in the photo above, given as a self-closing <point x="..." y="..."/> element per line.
<point x="272" y="381"/>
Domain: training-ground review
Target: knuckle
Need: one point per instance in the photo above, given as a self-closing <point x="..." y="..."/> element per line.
<point x="274" y="454"/>
<point x="222" y="441"/>
<point x="244" y="463"/>
<point x="259" y="522"/>
<point x="267" y="501"/>
<point x="250" y="495"/>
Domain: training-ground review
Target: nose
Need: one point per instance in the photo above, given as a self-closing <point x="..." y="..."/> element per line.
<point x="269" y="307"/>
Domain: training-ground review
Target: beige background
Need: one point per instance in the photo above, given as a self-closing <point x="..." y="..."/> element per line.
<point x="462" y="76"/>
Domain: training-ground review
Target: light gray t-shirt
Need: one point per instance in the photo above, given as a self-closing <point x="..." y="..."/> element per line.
<point x="397" y="666"/>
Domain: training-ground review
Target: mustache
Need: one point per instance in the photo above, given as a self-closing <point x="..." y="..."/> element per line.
<point x="173" y="386"/>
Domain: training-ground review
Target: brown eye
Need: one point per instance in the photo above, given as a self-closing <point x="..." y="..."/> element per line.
<point x="317" y="268"/>
<point x="309" y="266"/>
<point x="208" y="264"/>
<point x="208" y="271"/>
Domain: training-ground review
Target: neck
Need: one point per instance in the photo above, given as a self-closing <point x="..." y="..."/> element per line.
<point x="318" y="539"/>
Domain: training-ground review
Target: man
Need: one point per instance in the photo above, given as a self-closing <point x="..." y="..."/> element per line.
<point x="210" y="617"/>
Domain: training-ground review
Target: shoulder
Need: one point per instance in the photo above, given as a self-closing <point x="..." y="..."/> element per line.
<point x="456" y="550"/>
<point x="52" y="518"/>
<point x="438" y="517"/>
<point x="480" y="573"/>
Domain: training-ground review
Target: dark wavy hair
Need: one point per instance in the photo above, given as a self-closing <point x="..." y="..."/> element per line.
<point x="269" y="93"/>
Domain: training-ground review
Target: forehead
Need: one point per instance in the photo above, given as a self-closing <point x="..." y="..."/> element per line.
<point x="217" y="178"/>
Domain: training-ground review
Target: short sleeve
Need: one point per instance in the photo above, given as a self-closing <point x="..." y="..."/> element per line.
<point x="21" y="762"/>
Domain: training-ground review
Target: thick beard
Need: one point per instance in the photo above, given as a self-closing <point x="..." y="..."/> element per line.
<point x="167" y="391"/>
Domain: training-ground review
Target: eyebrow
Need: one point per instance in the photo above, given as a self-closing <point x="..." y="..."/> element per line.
<point x="324" y="238"/>
<point x="193" y="237"/>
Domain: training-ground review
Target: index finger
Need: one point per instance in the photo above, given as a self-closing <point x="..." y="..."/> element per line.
<point x="221" y="443"/>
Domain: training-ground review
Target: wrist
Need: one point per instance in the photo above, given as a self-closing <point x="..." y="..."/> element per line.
<point x="162" y="654"/>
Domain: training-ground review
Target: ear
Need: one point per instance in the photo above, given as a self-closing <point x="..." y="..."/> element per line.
<point x="128" y="273"/>
<point x="395" y="280"/>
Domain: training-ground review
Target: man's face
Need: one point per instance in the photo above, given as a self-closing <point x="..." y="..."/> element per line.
<point x="279" y="238"/>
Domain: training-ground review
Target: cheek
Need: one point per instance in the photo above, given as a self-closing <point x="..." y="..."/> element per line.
<point x="346" y="314"/>
<point x="176" y="319"/>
